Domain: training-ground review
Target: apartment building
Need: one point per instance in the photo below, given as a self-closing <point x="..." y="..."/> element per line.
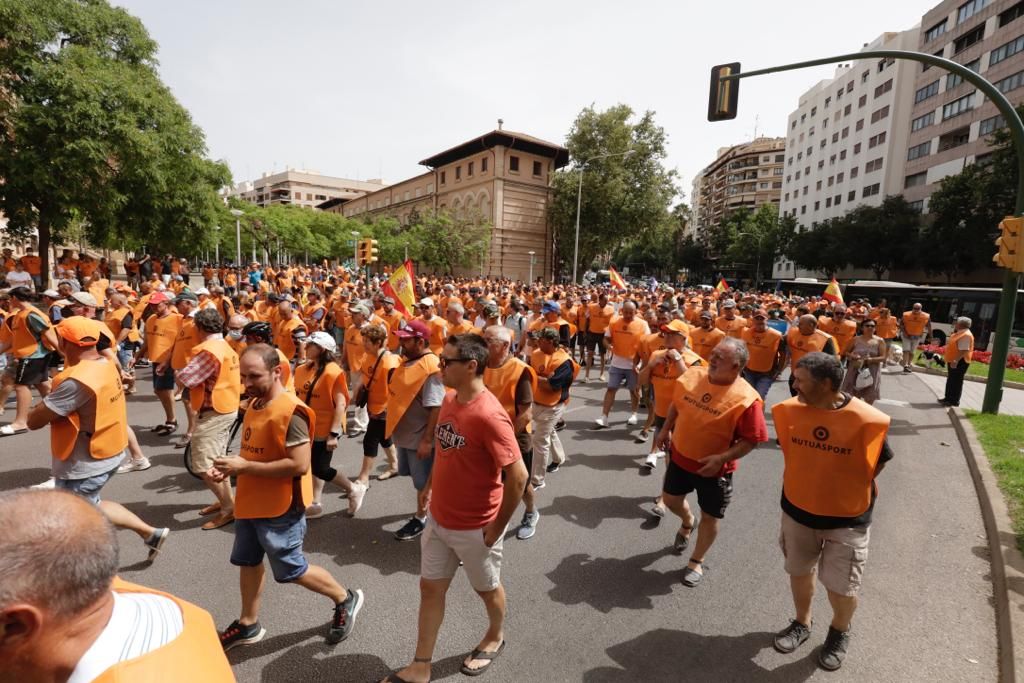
<point x="301" y="188"/>
<point x="502" y="177"/>
<point x="951" y="120"/>
<point x="847" y="139"/>
<point x="745" y="175"/>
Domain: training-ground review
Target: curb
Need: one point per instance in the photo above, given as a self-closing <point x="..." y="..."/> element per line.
<point x="980" y="380"/>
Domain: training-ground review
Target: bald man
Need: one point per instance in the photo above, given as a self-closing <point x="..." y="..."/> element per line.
<point x="77" y="621"/>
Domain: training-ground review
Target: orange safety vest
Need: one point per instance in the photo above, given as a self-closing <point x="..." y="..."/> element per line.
<point x="663" y="380"/>
<point x="263" y="440"/>
<point x="312" y="324"/>
<point x="626" y="337"/>
<point x="705" y="341"/>
<point x="706" y="415"/>
<point x="283" y="339"/>
<point x="886" y="327"/>
<point x="228" y="386"/>
<point x="502" y="382"/>
<point x="377" y="401"/>
<point x="544" y="366"/>
<point x="405" y="384"/>
<point x="160" y="335"/>
<point x="763" y="348"/>
<point x="321" y="399"/>
<point x="286" y="373"/>
<point x="196" y="655"/>
<point x="600" y="317"/>
<point x="110" y="433"/>
<point x="830" y="455"/>
<point x="393" y="321"/>
<point x="732" y="328"/>
<point x="114" y="321"/>
<point x="949" y="355"/>
<point x="438" y="332"/>
<point x="802" y="344"/>
<point x="184" y="344"/>
<point x="914" y="323"/>
<point x="17" y="333"/>
<point x="354" y="351"/>
<point x="843" y="332"/>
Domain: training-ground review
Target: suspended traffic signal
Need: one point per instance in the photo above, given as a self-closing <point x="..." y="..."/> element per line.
<point x="724" y="97"/>
<point x="1010" y="244"/>
<point x="370" y="246"/>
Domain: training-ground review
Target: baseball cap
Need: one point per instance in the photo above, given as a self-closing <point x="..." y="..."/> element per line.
<point x="83" y="298"/>
<point x="551" y="307"/>
<point x="549" y="333"/>
<point x="359" y="308"/>
<point x="729" y="303"/>
<point x="159" y="297"/>
<point x="677" y="326"/>
<point x="414" y="329"/>
<point x="202" y="290"/>
<point x="186" y="296"/>
<point x="79" y="330"/>
<point x="491" y="310"/>
<point x="426" y="301"/>
<point x="323" y="340"/>
<point x="706" y="314"/>
<point x="759" y="312"/>
<point x="51" y="294"/>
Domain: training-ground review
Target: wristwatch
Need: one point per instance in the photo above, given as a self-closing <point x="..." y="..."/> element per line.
<point x="336" y="434"/>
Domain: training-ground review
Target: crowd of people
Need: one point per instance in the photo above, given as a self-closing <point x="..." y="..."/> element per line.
<point x="465" y="395"/>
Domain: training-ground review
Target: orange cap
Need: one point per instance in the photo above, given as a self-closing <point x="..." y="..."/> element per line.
<point x="79" y="330"/>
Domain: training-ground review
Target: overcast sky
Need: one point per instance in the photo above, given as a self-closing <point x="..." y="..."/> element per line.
<point x="368" y="89"/>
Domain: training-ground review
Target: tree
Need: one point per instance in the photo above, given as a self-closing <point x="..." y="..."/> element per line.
<point x="754" y="238"/>
<point x="882" y="238"/>
<point x="91" y="135"/>
<point x="822" y="248"/>
<point x="624" y="196"/>
<point x="441" y="241"/>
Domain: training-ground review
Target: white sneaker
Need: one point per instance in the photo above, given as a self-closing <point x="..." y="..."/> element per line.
<point x="651" y="461"/>
<point x="601" y="422"/>
<point x="602" y="378"/>
<point x="355" y="498"/>
<point x="134" y="466"/>
<point x="48" y="484"/>
<point x="632" y="420"/>
<point x="314" y="510"/>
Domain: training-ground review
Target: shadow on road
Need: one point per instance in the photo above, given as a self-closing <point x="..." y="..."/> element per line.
<point x="668" y="655"/>
<point x="590" y="512"/>
<point x="16" y="479"/>
<point x="607" y="583"/>
<point x="363" y="540"/>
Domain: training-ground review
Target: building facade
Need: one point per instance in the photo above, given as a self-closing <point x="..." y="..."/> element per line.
<point x="502" y="177"/>
<point x="744" y="175"/>
<point x="847" y="139"/>
<point x="301" y="188"/>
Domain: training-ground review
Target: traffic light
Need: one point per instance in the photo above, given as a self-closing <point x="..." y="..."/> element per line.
<point x="725" y="94"/>
<point x="370" y="254"/>
<point x="1010" y="244"/>
<point x="359" y="254"/>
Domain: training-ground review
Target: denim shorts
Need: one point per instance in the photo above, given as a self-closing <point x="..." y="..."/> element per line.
<point x="411" y="466"/>
<point x="279" y="538"/>
<point x="164" y="382"/>
<point x="88" y="488"/>
<point x="616" y="377"/>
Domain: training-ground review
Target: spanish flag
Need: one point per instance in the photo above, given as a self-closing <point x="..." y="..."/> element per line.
<point x="833" y="293"/>
<point x="722" y="286"/>
<point x="616" y="279"/>
<point x="400" y="287"/>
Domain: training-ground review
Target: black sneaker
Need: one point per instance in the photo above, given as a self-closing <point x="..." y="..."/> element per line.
<point x="411" y="530"/>
<point x="155" y="542"/>
<point x="792" y="637"/>
<point x="345" y="617"/>
<point x="237" y="634"/>
<point x="834" y="650"/>
<point x="560" y="425"/>
<point x="553" y="467"/>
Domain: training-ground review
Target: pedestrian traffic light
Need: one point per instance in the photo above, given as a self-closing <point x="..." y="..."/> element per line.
<point x="1010" y="244"/>
<point x="725" y="94"/>
<point x="370" y="254"/>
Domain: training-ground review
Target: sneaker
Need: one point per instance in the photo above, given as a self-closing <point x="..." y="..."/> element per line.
<point x="48" y="484"/>
<point x="642" y="436"/>
<point x="237" y="634"/>
<point x="560" y="425"/>
<point x="553" y="467"/>
<point x="538" y="485"/>
<point x="601" y="422"/>
<point x="906" y="368"/>
<point x="314" y="510"/>
<point x="834" y="650"/>
<point x="355" y="497"/>
<point x="345" y="616"/>
<point x="658" y="509"/>
<point x="156" y="541"/>
<point x="131" y="465"/>
<point x="583" y="380"/>
<point x="528" y="527"/>
<point x="792" y="637"/>
<point x="411" y="530"/>
<point x="632" y="420"/>
<point x="651" y="461"/>
<point x="602" y="378"/>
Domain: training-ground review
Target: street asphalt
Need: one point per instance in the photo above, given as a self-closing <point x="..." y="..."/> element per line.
<point x="596" y="594"/>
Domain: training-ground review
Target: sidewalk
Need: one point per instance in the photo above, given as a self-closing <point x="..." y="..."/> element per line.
<point x="974" y="392"/>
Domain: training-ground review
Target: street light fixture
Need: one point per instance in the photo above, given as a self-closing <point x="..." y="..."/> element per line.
<point x="237" y="213"/>
<point x="757" y="271"/>
<point x="531" y="253"/>
<point x="579" y="201"/>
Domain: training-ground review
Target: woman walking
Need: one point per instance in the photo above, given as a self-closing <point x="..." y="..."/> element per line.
<point x="866" y="353"/>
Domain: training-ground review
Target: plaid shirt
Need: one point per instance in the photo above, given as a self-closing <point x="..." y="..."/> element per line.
<point x="202" y="370"/>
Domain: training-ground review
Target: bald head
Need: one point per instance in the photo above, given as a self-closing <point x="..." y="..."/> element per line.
<point x="807" y="323"/>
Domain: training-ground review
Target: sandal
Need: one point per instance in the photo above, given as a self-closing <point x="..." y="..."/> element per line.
<point x="393" y="677"/>
<point x="8" y="430"/>
<point x="183" y="442"/>
<point x="209" y="510"/>
<point x="166" y="428"/>
<point x="682" y="541"/>
<point x="218" y="521"/>
<point x="692" y="577"/>
<point x="384" y="476"/>
<point x="480" y="654"/>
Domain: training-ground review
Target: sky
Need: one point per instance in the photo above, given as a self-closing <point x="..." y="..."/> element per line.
<point x="368" y="89"/>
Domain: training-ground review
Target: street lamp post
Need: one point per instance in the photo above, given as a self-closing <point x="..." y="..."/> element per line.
<point x="579" y="202"/>
<point x="355" y="249"/>
<point x="237" y="213"/>
<point x="757" y="271"/>
<point x="531" y="253"/>
<point x="216" y="245"/>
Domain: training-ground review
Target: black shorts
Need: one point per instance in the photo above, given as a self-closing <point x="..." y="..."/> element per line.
<point x="32" y="371"/>
<point x="594" y="340"/>
<point x="374" y="437"/>
<point x="713" y="493"/>
<point x="659" y="422"/>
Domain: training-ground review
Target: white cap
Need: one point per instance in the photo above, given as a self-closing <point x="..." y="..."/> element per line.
<point x="202" y="290"/>
<point x="323" y="340"/>
<point x="426" y="301"/>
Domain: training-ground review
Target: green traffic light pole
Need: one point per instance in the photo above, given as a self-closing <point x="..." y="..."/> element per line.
<point x="1008" y="298"/>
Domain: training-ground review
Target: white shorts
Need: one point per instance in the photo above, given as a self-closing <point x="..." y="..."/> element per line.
<point x="441" y="550"/>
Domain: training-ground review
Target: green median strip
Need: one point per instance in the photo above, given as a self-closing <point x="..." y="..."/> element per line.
<point x="1002" y="437"/>
<point x="975" y="370"/>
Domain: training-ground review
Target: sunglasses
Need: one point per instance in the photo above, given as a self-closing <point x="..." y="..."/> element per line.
<point x="869" y="324"/>
<point x="445" y="362"/>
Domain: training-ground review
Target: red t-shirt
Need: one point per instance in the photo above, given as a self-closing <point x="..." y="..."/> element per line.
<point x="750" y="427"/>
<point x="473" y="442"/>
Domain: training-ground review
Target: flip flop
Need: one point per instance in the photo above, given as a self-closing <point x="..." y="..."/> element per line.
<point x="7" y="430"/>
<point x="218" y="522"/>
<point x="209" y="510"/>
<point x="384" y="476"/>
<point x="479" y="654"/>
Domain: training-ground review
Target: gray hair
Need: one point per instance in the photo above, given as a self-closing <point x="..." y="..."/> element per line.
<point x="964" y="321"/>
<point x="739" y="349"/>
<point x="501" y="332"/>
<point x="57" y="552"/>
<point x="823" y="366"/>
<point x="458" y="308"/>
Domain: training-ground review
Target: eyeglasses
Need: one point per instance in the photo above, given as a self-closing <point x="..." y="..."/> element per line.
<point x="869" y="324"/>
<point x="445" y="362"/>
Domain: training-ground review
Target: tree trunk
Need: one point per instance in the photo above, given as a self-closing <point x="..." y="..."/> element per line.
<point x="43" y="251"/>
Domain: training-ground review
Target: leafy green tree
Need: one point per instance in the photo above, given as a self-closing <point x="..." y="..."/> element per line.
<point x="823" y="247"/>
<point x="90" y="134"/>
<point x="442" y="241"/>
<point x="883" y="238"/>
<point x="755" y="238"/>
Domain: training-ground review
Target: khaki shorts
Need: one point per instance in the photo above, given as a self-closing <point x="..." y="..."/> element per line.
<point x="209" y="439"/>
<point x="839" y="555"/>
<point x="441" y="550"/>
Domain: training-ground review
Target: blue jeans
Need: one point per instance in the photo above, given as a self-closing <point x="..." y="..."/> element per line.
<point x="618" y="376"/>
<point x="279" y="538"/>
<point x="411" y="466"/>
<point x="761" y="381"/>
<point x="88" y="488"/>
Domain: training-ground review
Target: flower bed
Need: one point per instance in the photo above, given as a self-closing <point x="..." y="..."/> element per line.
<point x="1014" y="361"/>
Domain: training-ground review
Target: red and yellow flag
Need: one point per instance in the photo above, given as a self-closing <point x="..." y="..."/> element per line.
<point x="833" y="293"/>
<point x="400" y="287"/>
<point x="616" y="279"/>
<point x="722" y="286"/>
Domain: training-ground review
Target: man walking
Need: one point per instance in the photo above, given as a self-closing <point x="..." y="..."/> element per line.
<point x="915" y="327"/>
<point x="624" y="334"/>
<point x="555" y="371"/>
<point x="767" y="354"/>
<point x="958" y="355"/>
<point x="29" y="337"/>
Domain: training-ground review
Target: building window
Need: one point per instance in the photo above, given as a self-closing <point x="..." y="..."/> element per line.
<point x="1010" y="82"/>
<point x="821" y="164"/>
<point x="990" y="125"/>
<point x="955" y="138"/>
<point x="538" y="169"/>
<point x="864" y="76"/>
<point x="776" y="184"/>
<point x="1003" y="51"/>
<point x="803" y="209"/>
<point x="873" y="165"/>
<point x="828" y="101"/>
<point x="969" y="9"/>
<point x="483" y="165"/>
<point x="842" y="154"/>
<point x="917" y="206"/>
<point x="406" y="196"/>
<point x="779" y="158"/>
<point x="856" y="148"/>
<point x="918" y="151"/>
<point x="847" y="109"/>
<point x="818" y="186"/>
<point x="871" y="190"/>
<point x="1015" y="12"/>
<point x="849" y="88"/>
<point x="927" y="91"/>
<point x="442" y="178"/>
<point x="458" y="173"/>
<point x="776" y="171"/>
<point x="831" y="180"/>
<point x="851" y="195"/>
<point x="854" y="172"/>
<point x="862" y="101"/>
<point x="838" y="199"/>
<point x="968" y="39"/>
<point x="792" y="126"/>
<point x="817" y="206"/>
<point x="828" y="202"/>
<point x="469" y="169"/>
<point x="814" y="111"/>
<point x="846" y="132"/>
<point x="884" y="88"/>
<point x="876" y="140"/>
<point x="835" y="137"/>
<point x="823" y="143"/>
<point x="958" y="106"/>
<point x="859" y="125"/>
<point x="513" y="164"/>
<point x="935" y="31"/>
<point x="839" y="178"/>
<point x="879" y="114"/>
<point x="922" y="121"/>
<point x="915" y="180"/>
<point x="953" y="80"/>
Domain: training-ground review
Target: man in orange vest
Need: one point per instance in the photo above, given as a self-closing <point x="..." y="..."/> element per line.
<point x="624" y="335"/>
<point x="88" y="421"/>
<point x="275" y="486"/>
<point x="456" y="323"/>
<point x="77" y="620"/>
<point x="415" y="394"/>
<point x="804" y="338"/>
<point x="438" y="326"/>
<point x="555" y="371"/>
<point x="28" y="336"/>
<point x="842" y="328"/>
<point x="729" y="322"/>
<point x="958" y="355"/>
<point x="715" y="419"/>
<point x="212" y="378"/>
<point x="290" y="332"/>
<point x="834" y="447"/>
<point x="915" y="327"/>
<point x="598" y="317"/>
<point x="187" y="305"/>
<point x="767" y="350"/>
<point x="161" y="331"/>
<point x="705" y="336"/>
